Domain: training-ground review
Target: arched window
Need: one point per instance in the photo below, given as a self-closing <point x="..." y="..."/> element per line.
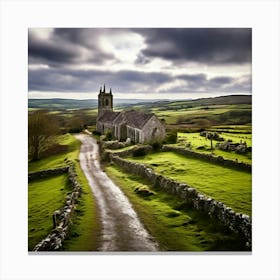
<point x="106" y="102"/>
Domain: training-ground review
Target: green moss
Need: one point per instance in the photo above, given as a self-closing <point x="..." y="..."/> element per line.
<point x="227" y="185"/>
<point x="175" y="226"/>
<point x="44" y="197"/>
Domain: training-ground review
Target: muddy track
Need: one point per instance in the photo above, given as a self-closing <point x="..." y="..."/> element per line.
<point x="121" y="227"/>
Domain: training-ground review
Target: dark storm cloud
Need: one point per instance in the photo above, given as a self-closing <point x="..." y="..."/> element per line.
<point x="67" y="46"/>
<point x="52" y="51"/>
<point x="90" y="80"/>
<point x="59" y="80"/>
<point x="204" y="45"/>
<point x="200" y="83"/>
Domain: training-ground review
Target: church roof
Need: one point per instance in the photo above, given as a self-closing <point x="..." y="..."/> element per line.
<point x="108" y="116"/>
<point x="133" y="118"/>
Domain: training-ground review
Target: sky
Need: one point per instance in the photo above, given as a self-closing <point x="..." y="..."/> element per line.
<point x="139" y="63"/>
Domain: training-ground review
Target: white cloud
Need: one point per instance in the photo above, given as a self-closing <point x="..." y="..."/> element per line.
<point x="124" y="46"/>
<point x="42" y="33"/>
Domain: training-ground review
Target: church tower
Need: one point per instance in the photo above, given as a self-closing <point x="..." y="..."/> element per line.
<point x="105" y="101"/>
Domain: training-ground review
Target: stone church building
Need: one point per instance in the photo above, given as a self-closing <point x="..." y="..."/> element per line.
<point x="138" y="126"/>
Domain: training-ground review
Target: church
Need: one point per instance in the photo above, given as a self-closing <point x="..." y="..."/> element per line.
<point x="138" y="126"/>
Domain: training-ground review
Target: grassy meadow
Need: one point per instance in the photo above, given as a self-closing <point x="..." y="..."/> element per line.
<point x="175" y="226"/>
<point x="44" y="197"/>
<point x="232" y="187"/>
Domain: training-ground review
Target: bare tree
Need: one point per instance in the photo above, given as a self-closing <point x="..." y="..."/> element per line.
<point x="42" y="129"/>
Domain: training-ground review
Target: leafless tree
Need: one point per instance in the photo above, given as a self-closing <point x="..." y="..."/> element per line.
<point x="42" y="130"/>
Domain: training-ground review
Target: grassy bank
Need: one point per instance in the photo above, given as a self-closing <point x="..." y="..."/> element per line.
<point x="85" y="225"/>
<point x="227" y="185"/>
<point x="44" y="197"/>
<point x="57" y="160"/>
<point x="175" y="227"/>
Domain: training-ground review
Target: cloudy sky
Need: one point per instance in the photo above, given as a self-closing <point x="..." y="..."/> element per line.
<point x="164" y="63"/>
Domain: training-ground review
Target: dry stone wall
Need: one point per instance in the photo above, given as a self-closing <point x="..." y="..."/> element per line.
<point x="46" y="173"/>
<point x="61" y="217"/>
<point x="236" y="222"/>
<point x="144" y="149"/>
<point x="217" y="160"/>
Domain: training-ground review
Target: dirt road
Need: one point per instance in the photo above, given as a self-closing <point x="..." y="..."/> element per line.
<point x="121" y="227"/>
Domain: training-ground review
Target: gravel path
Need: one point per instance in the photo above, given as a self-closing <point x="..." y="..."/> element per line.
<point x="121" y="227"/>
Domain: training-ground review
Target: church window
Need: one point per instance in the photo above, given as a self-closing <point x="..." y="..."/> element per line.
<point x="106" y="102"/>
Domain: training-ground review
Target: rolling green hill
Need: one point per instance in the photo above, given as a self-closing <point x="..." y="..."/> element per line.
<point x="59" y="103"/>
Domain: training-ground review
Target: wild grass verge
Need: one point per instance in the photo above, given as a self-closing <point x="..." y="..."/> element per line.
<point x="175" y="226"/>
<point x="85" y="227"/>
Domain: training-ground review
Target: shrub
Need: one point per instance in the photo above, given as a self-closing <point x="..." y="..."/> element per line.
<point x="75" y="130"/>
<point x="171" y="137"/>
<point x="140" y="152"/>
<point x="156" y="146"/>
<point x="108" y="135"/>
<point x="95" y="132"/>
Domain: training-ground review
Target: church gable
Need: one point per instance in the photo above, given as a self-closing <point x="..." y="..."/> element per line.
<point x="133" y="118"/>
<point x="140" y="127"/>
<point x="153" y="130"/>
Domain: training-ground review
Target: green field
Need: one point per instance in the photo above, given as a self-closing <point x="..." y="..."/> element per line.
<point x="170" y="222"/>
<point x="229" y="186"/>
<point x="85" y="221"/>
<point x="176" y="227"/>
<point x="202" y="145"/>
<point x="44" y="197"/>
<point x="205" y="116"/>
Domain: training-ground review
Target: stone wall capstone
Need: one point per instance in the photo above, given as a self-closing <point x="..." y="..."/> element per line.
<point x="236" y="222"/>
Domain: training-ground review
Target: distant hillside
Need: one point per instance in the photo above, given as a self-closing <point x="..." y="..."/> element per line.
<point x="59" y="103"/>
<point x="222" y="100"/>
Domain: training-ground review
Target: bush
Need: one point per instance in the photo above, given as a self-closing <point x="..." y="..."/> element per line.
<point x="171" y="137"/>
<point x="108" y="136"/>
<point x="140" y="152"/>
<point x="95" y="132"/>
<point x="75" y="130"/>
<point x="156" y="146"/>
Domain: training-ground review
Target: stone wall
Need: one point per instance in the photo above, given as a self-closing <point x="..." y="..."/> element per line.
<point x="236" y="222"/>
<point x="46" y="173"/>
<point x="105" y="154"/>
<point x="217" y="160"/>
<point x="61" y="217"/>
